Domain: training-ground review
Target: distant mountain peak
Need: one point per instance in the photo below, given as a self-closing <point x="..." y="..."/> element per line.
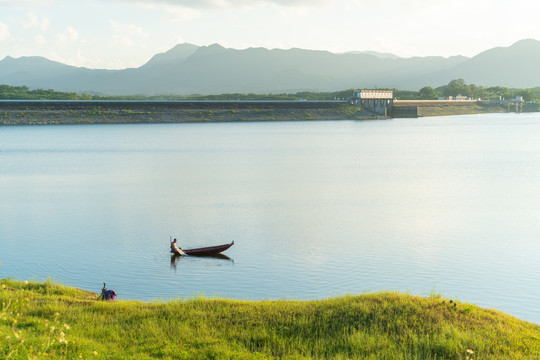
<point x="214" y="69"/>
<point x="377" y="54"/>
<point x="36" y="61"/>
<point x="526" y="45"/>
<point x="178" y="53"/>
<point x="182" y="48"/>
<point x="513" y="52"/>
<point x="26" y="58"/>
<point x="526" y="42"/>
<point x="210" y="50"/>
<point x="215" y="46"/>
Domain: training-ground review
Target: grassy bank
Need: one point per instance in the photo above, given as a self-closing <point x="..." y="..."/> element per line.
<point x="444" y="110"/>
<point x="87" y="112"/>
<point x="137" y="112"/>
<point x="44" y="320"/>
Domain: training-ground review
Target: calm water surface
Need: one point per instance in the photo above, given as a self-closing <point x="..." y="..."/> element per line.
<point x="316" y="209"/>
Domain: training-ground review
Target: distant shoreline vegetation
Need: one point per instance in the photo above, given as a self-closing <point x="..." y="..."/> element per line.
<point x="453" y="88"/>
<point x="50" y="107"/>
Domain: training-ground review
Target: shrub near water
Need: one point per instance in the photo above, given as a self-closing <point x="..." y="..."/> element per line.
<point x="44" y="320"/>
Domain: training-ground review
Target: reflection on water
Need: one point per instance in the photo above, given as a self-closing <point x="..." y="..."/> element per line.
<point x="316" y="209"/>
<point x="175" y="258"/>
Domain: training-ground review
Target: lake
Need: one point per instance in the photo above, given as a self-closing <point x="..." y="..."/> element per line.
<point x="447" y="205"/>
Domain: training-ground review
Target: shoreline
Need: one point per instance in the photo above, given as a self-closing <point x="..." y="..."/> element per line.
<point x="43" y="319"/>
<point x="154" y="112"/>
<point x="24" y="112"/>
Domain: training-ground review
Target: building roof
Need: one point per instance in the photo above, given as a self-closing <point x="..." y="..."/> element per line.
<point x="375" y="94"/>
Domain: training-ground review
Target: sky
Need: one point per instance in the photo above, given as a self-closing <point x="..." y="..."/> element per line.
<point x="117" y="34"/>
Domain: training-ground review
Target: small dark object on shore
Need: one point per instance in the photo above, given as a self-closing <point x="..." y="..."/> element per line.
<point x="107" y="294"/>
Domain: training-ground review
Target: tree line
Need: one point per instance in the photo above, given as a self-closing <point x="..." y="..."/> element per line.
<point x="24" y="93"/>
<point x="460" y="87"/>
<point x="453" y="88"/>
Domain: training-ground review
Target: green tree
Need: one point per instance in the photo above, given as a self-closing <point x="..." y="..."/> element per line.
<point x="499" y="91"/>
<point x="477" y="92"/>
<point x="528" y="94"/>
<point x="456" y="87"/>
<point x="23" y="92"/>
<point x="428" y="93"/>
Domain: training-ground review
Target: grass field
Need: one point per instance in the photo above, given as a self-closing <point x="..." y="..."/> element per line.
<point x="45" y="320"/>
<point x="444" y="110"/>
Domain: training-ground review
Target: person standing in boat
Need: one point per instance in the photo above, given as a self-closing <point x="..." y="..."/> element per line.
<point x="176" y="249"/>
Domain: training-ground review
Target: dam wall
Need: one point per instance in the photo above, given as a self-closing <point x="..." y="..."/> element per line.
<point x="29" y="112"/>
<point x="421" y="108"/>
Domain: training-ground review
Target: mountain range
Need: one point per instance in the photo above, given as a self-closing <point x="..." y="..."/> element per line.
<point x="190" y="69"/>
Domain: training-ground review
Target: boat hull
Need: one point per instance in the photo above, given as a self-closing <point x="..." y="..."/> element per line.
<point x="206" y="251"/>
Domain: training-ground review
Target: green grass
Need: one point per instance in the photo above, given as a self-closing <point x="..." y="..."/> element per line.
<point x="444" y="110"/>
<point x="45" y="320"/>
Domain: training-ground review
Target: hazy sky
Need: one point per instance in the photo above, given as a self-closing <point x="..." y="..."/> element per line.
<point x="127" y="33"/>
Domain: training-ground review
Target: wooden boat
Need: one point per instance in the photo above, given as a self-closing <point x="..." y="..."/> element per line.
<point x="205" y="251"/>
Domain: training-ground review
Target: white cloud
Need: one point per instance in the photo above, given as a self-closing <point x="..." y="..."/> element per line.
<point x="40" y="39"/>
<point x="198" y="3"/>
<point x="170" y="44"/>
<point x="301" y="3"/>
<point x="25" y="3"/>
<point x="231" y="3"/>
<point x="34" y="22"/>
<point x="69" y="36"/>
<point x="178" y="40"/>
<point x="75" y="59"/>
<point x="127" y="29"/>
<point x="123" y="41"/>
<point x="5" y="35"/>
<point x="124" y="33"/>
<point x="182" y="13"/>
